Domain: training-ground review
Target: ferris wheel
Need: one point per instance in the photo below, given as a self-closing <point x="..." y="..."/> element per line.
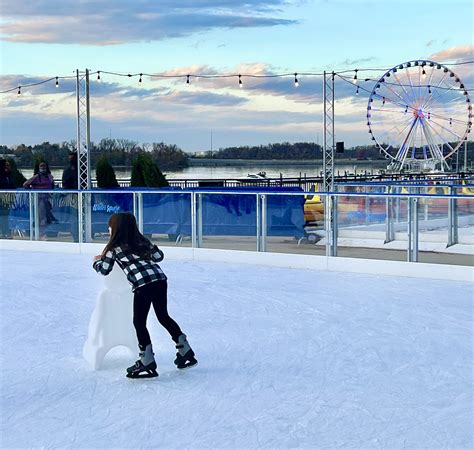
<point x="419" y="114"/>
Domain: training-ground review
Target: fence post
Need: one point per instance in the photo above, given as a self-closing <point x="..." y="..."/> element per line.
<point x="33" y="205"/>
<point x="412" y="229"/>
<point x="389" y="234"/>
<point x="453" y="237"/>
<point x="263" y="229"/>
<point x="138" y="209"/>
<point x="80" y="216"/>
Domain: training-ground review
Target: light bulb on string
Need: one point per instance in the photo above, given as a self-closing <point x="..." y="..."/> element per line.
<point x="240" y="81"/>
<point x="355" y="76"/>
<point x="429" y="89"/>
<point x="98" y="76"/>
<point x="140" y="79"/>
<point x="383" y="100"/>
<point x="57" y="82"/>
<point x="296" y="80"/>
<point x="187" y="79"/>
<point x="19" y="90"/>
<point x="357" y="90"/>
<point x="450" y="121"/>
<point x="406" y="109"/>
<point x="423" y="74"/>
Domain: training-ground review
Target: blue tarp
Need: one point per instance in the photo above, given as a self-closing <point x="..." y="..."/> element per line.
<point x="170" y="213"/>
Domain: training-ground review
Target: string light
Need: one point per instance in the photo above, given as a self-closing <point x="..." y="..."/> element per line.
<point x="354" y="79"/>
<point x="383" y="100"/>
<point x="357" y="90"/>
<point x="450" y="121"/>
<point x="423" y="74"/>
<point x="19" y="90"/>
<point x="406" y="109"/>
<point x="429" y="89"/>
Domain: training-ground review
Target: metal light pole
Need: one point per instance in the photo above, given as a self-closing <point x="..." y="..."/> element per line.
<point x="83" y="149"/>
<point x="330" y="207"/>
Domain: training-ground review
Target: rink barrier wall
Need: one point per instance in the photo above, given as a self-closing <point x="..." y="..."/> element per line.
<point x="306" y="262"/>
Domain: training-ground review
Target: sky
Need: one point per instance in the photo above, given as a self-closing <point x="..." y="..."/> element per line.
<point x="46" y="39"/>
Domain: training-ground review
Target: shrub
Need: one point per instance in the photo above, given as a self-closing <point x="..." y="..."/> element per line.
<point x="105" y="174"/>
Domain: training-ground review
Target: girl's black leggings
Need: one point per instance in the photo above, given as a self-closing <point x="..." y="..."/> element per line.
<point x="155" y="293"/>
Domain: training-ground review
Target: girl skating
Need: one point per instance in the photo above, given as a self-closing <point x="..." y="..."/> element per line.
<point x="139" y="259"/>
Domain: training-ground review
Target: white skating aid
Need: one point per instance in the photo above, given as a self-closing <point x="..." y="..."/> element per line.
<point x="111" y="323"/>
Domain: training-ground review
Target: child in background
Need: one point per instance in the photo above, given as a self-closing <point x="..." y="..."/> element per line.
<point x="139" y="259"/>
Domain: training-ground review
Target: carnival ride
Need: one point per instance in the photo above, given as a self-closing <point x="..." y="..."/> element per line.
<point x="419" y="114"/>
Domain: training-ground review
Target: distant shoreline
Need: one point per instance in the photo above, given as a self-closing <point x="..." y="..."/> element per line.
<point x="208" y="162"/>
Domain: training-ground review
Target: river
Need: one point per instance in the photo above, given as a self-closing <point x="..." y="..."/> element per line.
<point x="230" y="172"/>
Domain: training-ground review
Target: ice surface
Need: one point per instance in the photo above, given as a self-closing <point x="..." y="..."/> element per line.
<point x="287" y="358"/>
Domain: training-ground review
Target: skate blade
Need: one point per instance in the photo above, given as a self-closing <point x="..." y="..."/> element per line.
<point x="149" y="374"/>
<point x="188" y="365"/>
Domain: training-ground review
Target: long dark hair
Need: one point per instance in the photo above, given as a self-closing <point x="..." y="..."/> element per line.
<point x="125" y="234"/>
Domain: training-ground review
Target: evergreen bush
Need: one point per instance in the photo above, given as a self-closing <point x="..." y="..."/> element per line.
<point x="105" y="174"/>
<point x="145" y="172"/>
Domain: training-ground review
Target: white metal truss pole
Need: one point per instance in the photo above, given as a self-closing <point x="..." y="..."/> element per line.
<point x="83" y="149"/>
<point x="83" y="129"/>
<point x="328" y="164"/>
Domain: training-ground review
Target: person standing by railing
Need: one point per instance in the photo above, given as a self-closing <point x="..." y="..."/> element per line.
<point x="6" y="182"/>
<point x="42" y="179"/>
<point x="70" y="181"/>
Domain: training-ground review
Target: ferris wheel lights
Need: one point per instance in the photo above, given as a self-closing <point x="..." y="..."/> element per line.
<point x="406" y="109"/>
<point x="98" y="76"/>
<point x="445" y="70"/>
<point x="140" y="79"/>
<point x="408" y="64"/>
<point x="187" y="79"/>
<point x="429" y="89"/>
<point x="431" y="64"/>
<point x="416" y="63"/>
<point x="383" y="100"/>
<point x="57" y="82"/>
<point x="296" y="80"/>
<point x="19" y="90"/>
<point x="438" y="66"/>
<point x="240" y="81"/>
<point x="357" y="90"/>
<point x="400" y="66"/>
<point x="423" y="74"/>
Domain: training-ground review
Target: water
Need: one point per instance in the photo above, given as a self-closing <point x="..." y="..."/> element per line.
<point x="228" y="172"/>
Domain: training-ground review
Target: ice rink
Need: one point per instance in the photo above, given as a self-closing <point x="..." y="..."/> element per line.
<point x="287" y="358"/>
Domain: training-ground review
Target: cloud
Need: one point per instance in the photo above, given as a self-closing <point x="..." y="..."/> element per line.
<point x="353" y="62"/>
<point x="459" y="54"/>
<point x="105" y="23"/>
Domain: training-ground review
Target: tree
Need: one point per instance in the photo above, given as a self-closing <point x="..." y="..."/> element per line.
<point x="145" y="172"/>
<point x="17" y="175"/>
<point x="105" y="174"/>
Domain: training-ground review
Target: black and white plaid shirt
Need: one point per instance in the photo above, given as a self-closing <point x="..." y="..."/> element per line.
<point x="138" y="271"/>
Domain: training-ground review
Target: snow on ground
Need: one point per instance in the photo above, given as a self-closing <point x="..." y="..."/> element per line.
<point x="287" y="358"/>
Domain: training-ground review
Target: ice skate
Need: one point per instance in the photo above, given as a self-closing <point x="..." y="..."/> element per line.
<point x="145" y="367"/>
<point x="185" y="356"/>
